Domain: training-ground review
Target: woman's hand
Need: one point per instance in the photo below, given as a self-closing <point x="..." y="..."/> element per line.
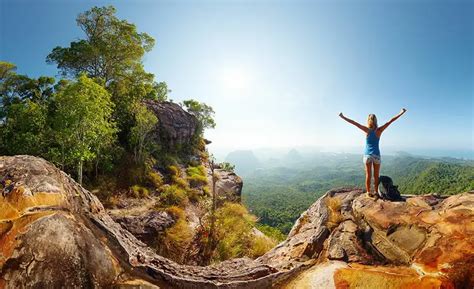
<point x="403" y="111"/>
<point x="341" y="115"/>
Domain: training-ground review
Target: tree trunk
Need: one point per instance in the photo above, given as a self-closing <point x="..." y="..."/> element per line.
<point x="79" y="172"/>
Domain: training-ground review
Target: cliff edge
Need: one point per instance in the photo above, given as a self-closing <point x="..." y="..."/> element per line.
<point x="54" y="233"/>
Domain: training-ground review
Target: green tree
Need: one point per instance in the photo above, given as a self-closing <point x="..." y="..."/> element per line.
<point x="82" y="122"/>
<point x="112" y="47"/>
<point x="203" y="112"/>
<point x="145" y="121"/>
<point x="24" y="130"/>
<point x="6" y="68"/>
<point x="24" y="106"/>
<point x="112" y="51"/>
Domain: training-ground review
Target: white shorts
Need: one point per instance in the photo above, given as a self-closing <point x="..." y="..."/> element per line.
<point x="372" y="159"/>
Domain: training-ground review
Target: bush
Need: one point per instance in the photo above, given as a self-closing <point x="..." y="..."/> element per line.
<point x="174" y="195"/>
<point x="174" y="170"/>
<point x="176" y="212"/>
<point x="197" y="176"/>
<point x="206" y="190"/>
<point x="139" y="192"/>
<point x="155" y="179"/>
<point x="233" y="231"/>
<point x="182" y="183"/>
<point x="178" y="237"/>
<point x="261" y="245"/>
<point x="194" y="195"/>
<point x="227" y="166"/>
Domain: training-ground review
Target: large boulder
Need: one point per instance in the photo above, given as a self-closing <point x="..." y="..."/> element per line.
<point x="228" y="185"/>
<point x="55" y="234"/>
<point x="176" y="127"/>
<point x="149" y="226"/>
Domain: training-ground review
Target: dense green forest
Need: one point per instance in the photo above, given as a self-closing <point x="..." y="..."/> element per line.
<point x="92" y="120"/>
<point x="278" y="195"/>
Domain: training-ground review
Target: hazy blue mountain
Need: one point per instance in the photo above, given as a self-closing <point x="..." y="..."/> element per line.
<point x="244" y="160"/>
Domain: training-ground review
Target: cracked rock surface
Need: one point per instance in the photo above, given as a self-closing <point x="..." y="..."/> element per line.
<point x="56" y="234"/>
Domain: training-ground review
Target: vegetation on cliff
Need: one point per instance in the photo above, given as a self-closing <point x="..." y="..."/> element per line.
<point x="102" y="72"/>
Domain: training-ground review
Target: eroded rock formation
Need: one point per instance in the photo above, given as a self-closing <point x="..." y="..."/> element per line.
<point x="176" y="127"/>
<point x="54" y="233"/>
<point x="228" y="185"/>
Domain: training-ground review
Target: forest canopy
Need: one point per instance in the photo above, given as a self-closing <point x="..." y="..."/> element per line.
<point x="92" y="120"/>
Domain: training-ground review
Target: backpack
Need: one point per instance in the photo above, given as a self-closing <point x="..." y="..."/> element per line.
<point x="387" y="191"/>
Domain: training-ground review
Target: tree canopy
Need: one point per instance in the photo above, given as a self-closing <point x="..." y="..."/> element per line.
<point x="92" y="118"/>
<point x="82" y="122"/>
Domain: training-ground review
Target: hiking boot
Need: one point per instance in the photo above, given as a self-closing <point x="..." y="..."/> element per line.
<point x="372" y="195"/>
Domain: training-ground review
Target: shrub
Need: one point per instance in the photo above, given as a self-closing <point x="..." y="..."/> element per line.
<point x="174" y="195"/>
<point x="197" y="176"/>
<point x="227" y="166"/>
<point x="176" y="212"/>
<point x="178" y="237"/>
<point x="182" y="183"/>
<point x="194" y="195"/>
<point x="233" y="231"/>
<point x="206" y="190"/>
<point x="139" y="191"/>
<point x="174" y="171"/>
<point x="155" y="179"/>
<point x="261" y="245"/>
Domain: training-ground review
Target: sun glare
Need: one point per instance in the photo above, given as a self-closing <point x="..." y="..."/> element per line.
<point x="235" y="78"/>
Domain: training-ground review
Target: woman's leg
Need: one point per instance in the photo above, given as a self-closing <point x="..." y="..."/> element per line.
<point x="368" y="176"/>
<point x="376" y="176"/>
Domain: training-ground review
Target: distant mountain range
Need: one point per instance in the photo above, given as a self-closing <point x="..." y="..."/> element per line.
<point x="247" y="161"/>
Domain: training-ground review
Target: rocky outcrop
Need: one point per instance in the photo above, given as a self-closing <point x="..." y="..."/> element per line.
<point x="54" y="233"/>
<point x="228" y="185"/>
<point x="147" y="227"/>
<point x="176" y="127"/>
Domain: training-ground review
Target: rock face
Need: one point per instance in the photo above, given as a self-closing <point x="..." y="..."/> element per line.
<point x="54" y="233"/>
<point x="147" y="227"/>
<point x="228" y="185"/>
<point x="176" y="127"/>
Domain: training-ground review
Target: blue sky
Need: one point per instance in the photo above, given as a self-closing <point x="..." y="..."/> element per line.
<point x="278" y="72"/>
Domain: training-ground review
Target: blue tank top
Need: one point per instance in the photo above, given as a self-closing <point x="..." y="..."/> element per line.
<point x="372" y="144"/>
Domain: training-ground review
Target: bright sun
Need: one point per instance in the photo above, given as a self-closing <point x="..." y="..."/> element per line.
<point x="235" y="78"/>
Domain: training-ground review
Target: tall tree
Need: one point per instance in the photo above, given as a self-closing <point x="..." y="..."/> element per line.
<point x="203" y="112"/>
<point x="23" y="111"/>
<point x="145" y="121"/>
<point x="112" y="51"/>
<point x="24" y="130"/>
<point x="82" y="121"/>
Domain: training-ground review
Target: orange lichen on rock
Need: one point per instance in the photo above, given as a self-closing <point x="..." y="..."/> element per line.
<point x="335" y="216"/>
<point x="368" y="277"/>
<point x="20" y="201"/>
<point x="9" y="238"/>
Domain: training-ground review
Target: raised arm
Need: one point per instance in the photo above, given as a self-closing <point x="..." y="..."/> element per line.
<point x="363" y="128"/>
<point x="383" y="127"/>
